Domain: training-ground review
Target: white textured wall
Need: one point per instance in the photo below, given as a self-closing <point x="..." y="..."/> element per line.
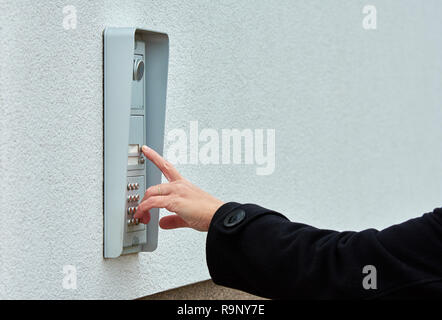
<point x="357" y="116"/>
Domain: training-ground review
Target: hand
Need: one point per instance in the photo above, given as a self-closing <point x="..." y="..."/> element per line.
<point x="194" y="208"/>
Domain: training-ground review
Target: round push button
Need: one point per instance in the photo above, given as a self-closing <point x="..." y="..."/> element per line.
<point x="138" y="69"/>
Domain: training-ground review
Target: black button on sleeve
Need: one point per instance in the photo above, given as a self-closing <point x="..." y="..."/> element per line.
<point x="234" y="218"/>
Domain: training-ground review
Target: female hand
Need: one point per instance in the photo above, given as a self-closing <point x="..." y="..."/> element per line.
<point x="194" y="208"/>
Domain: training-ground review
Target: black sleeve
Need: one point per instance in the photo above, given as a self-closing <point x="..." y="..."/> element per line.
<point x="261" y="252"/>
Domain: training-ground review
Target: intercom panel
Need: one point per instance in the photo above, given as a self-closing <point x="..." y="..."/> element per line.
<point x="135" y="85"/>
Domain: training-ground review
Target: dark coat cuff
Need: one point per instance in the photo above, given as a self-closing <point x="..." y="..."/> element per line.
<point x="224" y="239"/>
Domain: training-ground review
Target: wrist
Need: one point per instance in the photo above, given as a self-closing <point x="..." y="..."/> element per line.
<point x="215" y="205"/>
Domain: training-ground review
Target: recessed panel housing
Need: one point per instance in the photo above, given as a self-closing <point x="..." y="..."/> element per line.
<point x="135" y="85"/>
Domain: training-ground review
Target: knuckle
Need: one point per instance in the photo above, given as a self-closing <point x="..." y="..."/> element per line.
<point x="181" y="190"/>
<point x="141" y="206"/>
<point x="148" y="192"/>
<point x="171" y="204"/>
<point x="184" y="187"/>
<point x="172" y="189"/>
<point x="167" y="165"/>
<point x="164" y="166"/>
<point x="175" y="186"/>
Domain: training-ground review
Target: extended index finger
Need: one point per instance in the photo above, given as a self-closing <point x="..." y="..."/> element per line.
<point x="165" y="166"/>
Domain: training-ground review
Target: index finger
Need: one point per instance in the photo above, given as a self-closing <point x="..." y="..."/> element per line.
<point x="165" y="166"/>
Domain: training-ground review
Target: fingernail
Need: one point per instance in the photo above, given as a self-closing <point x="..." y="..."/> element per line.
<point x="145" y="148"/>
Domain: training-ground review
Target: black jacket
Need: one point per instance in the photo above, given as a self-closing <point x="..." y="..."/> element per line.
<point x="261" y="252"/>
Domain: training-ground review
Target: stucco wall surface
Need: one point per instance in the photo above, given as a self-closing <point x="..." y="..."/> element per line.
<point x="356" y="112"/>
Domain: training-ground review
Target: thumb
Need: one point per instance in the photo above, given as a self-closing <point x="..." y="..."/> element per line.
<point x="172" y="222"/>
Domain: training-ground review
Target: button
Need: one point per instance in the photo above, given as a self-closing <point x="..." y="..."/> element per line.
<point x="234" y="218"/>
<point x="138" y="69"/>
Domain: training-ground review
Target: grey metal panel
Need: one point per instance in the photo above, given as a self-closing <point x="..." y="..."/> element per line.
<point x="118" y="56"/>
<point x="118" y="85"/>
<point x="157" y="61"/>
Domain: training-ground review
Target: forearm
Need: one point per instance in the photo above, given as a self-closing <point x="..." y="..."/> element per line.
<point x="262" y="252"/>
<point x="270" y="256"/>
